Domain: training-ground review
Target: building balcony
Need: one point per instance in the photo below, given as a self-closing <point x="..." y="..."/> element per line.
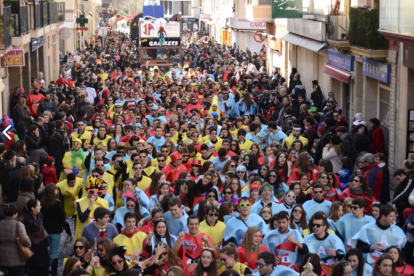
<point x="259" y="11"/>
<point x="6" y="30"/>
<point x="20" y="25"/>
<point x="43" y="15"/>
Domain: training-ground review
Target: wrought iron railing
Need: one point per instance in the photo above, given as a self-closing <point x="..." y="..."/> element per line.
<point x="19" y="12"/>
<point x="5" y="37"/>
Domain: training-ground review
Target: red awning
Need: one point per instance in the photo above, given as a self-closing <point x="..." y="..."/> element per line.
<point x="337" y="73"/>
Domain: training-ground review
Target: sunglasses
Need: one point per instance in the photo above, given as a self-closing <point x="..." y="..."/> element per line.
<point x="245" y="205"/>
<point x="213" y="214"/>
<point x="266" y="212"/>
<point x="119" y="161"/>
<point x="101" y="249"/>
<point x="240" y="171"/>
<point x="227" y="193"/>
<point x="356" y="181"/>
<point x="79" y="247"/>
<point x="354" y="207"/>
<point x="130" y="205"/>
<point x="232" y="166"/>
<point x="211" y="196"/>
<point x="317" y="225"/>
<point x="137" y="168"/>
<point x="95" y="192"/>
<point x="225" y="259"/>
<point x="297" y="211"/>
<point x="119" y="261"/>
<point x="263" y="169"/>
<point x="318" y="192"/>
<point x="349" y="206"/>
<point x="292" y="196"/>
<point x="272" y="176"/>
<point x="161" y="160"/>
<point x="323" y="177"/>
<point x="260" y="265"/>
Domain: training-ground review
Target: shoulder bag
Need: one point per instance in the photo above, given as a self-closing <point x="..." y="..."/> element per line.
<point x="24" y="252"/>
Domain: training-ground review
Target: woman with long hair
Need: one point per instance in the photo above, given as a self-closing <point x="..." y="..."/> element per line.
<point x="298" y="218"/>
<point x="131" y="204"/>
<point x="81" y="251"/>
<point x="241" y="173"/>
<point x="251" y="246"/>
<point x="160" y="234"/>
<point x="207" y="264"/>
<point x="205" y="183"/>
<point x="268" y="156"/>
<point x="384" y="266"/>
<point x="172" y="259"/>
<point x="279" y="187"/>
<point x="359" y="188"/>
<point x="356" y="259"/>
<point x="156" y="180"/>
<point x="314" y="260"/>
<point x="175" y="271"/>
<point x="21" y="118"/>
<point x="282" y="165"/>
<point x="334" y="151"/>
<point x="71" y="264"/>
<point x="304" y="164"/>
<point x="300" y="195"/>
<point x="234" y="147"/>
<point x="330" y="193"/>
<point x="403" y="269"/>
<point x="236" y="187"/>
<point x="342" y="268"/>
<point x="207" y="166"/>
<point x="228" y="196"/>
<point x="230" y="166"/>
<point x="192" y="197"/>
<point x="104" y="249"/>
<point x="25" y="194"/>
<point x="251" y="163"/>
<point x="337" y="211"/>
<point x="54" y="217"/>
<point x="163" y="190"/>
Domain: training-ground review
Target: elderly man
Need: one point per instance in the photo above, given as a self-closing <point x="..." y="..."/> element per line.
<point x="373" y="175"/>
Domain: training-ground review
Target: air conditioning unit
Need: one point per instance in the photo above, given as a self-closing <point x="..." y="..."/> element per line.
<point x="338" y="27"/>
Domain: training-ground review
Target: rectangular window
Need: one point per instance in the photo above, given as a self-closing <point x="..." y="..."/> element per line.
<point x="265" y="2"/>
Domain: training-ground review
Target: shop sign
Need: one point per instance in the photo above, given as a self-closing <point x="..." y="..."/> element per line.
<point x="36" y="43"/>
<point x="286" y="9"/>
<point x="345" y="62"/>
<point x="151" y="28"/>
<point x="14" y="58"/>
<point x="376" y="70"/>
<point x="312" y="29"/>
<point x="205" y="16"/>
<point x="244" y="24"/>
<point x="154" y="42"/>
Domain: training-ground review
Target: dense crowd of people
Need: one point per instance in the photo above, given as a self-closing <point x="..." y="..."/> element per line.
<point x="212" y="166"/>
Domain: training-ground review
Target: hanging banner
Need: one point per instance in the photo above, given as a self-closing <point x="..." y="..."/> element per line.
<point x="152" y="28"/>
<point x="154" y="42"/>
<point x="287" y="9"/>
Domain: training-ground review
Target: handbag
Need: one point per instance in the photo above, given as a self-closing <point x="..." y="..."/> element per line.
<point x="24" y="252"/>
<point x="38" y="237"/>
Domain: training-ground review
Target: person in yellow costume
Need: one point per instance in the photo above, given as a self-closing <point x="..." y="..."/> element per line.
<point x="131" y="238"/>
<point x="82" y="133"/>
<point x="86" y="206"/>
<point x="214" y="139"/>
<point x="136" y="172"/>
<point x="244" y="144"/>
<point x="74" y="161"/>
<point x="288" y="141"/>
<point x="101" y="136"/>
<point x="70" y="189"/>
<point x="214" y="108"/>
<point x="212" y="227"/>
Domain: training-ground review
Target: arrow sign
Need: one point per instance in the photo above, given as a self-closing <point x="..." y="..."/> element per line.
<point x="5" y="132"/>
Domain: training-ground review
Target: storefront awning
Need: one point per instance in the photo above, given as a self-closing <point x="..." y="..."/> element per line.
<point x="306" y="43"/>
<point x="337" y="73"/>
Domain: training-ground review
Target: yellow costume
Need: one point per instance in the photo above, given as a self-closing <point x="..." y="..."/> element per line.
<point x="70" y="195"/>
<point x="97" y="141"/>
<point x="247" y="144"/>
<point x="215" y="232"/>
<point x="239" y="268"/>
<point x="74" y="158"/>
<point x="131" y="244"/>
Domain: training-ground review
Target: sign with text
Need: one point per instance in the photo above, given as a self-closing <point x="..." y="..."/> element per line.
<point x="154" y="42"/>
<point x="244" y="24"/>
<point x="287" y="8"/>
<point x="152" y="29"/>
<point x="14" y="58"/>
<point x="205" y="16"/>
<point x="376" y="70"/>
<point x="345" y="62"/>
<point x="36" y="43"/>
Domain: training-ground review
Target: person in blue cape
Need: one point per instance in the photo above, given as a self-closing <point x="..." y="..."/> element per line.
<point x="357" y="219"/>
<point x="157" y="140"/>
<point x="237" y="226"/>
<point x="318" y="203"/>
<point x="266" y="200"/>
<point x="130" y="205"/>
<point x="176" y="219"/>
<point x="328" y="246"/>
<point x="375" y="237"/>
<point x="284" y="242"/>
<point x="266" y="266"/>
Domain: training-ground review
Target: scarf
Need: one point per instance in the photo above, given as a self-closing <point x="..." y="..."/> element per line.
<point x="78" y="154"/>
<point x="357" y="191"/>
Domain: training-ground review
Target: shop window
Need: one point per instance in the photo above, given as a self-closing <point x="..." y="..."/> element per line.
<point x="172" y="55"/>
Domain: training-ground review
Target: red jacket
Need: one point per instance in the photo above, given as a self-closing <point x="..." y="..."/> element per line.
<point x="378" y="143"/>
<point x="347" y="193"/>
<point x="33" y="102"/>
<point x="49" y="175"/>
<point x="374" y="176"/>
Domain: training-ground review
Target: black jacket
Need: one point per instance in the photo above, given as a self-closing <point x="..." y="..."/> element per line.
<point x="56" y="144"/>
<point x="21" y="117"/>
<point x="46" y="105"/>
<point x="54" y="217"/>
<point x="33" y="142"/>
<point x="12" y="186"/>
<point x="41" y="255"/>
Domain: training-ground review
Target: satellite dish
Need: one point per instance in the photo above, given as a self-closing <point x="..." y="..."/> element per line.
<point x="64" y="33"/>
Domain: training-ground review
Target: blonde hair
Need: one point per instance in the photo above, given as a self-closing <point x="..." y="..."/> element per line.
<point x="28" y="171"/>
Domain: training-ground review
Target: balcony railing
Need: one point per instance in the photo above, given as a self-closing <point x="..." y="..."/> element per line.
<point x="61" y="11"/>
<point x="5" y="37"/>
<point x="45" y="14"/>
<point x="35" y="16"/>
<point x="19" y="12"/>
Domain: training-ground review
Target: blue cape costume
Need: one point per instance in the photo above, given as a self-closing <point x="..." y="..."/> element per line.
<point x="367" y="270"/>
<point x="164" y="240"/>
<point x="311" y="207"/>
<point x="175" y="226"/>
<point x="158" y="143"/>
<point x="236" y="228"/>
<point x="120" y="213"/>
<point x="276" y="208"/>
<point x="142" y="198"/>
<point x="372" y="234"/>
<point x="346" y="232"/>
<point x="279" y="245"/>
<point x="111" y="202"/>
<point x="320" y="247"/>
<point x="280" y="270"/>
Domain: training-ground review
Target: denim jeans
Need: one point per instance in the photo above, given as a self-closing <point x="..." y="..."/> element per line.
<point x="54" y="242"/>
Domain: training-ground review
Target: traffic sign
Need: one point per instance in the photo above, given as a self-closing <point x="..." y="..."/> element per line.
<point x="82" y="29"/>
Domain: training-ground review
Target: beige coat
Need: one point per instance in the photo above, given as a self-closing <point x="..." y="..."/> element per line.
<point x="9" y="253"/>
<point x="21" y="202"/>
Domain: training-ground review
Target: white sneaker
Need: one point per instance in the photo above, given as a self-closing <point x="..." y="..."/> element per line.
<point x="68" y="239"/>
